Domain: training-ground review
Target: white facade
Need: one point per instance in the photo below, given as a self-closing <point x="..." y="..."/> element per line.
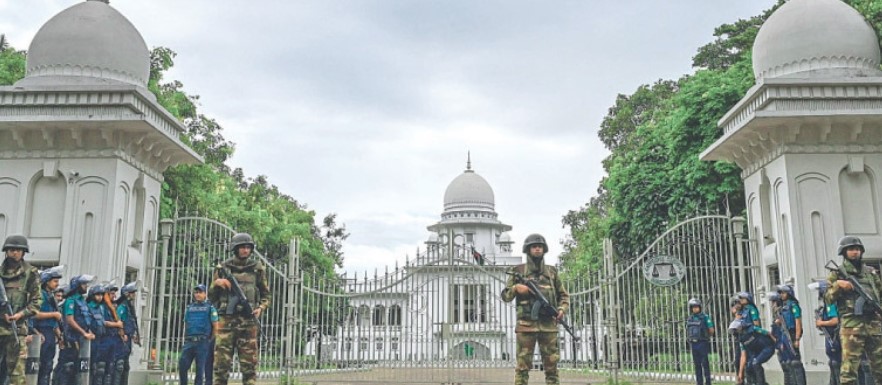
<point x="83" y="145"/>
<point x="807" y="139"/>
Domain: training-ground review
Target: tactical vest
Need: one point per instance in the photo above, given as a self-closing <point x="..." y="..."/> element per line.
<point x="696" y="328"/>
<point x="787" y="315"/>
<point x="16" y="291"/>
<point x="198" y="319"/>
<point x="247" y="276"/>
<point x="831" y="340"/>
<point x="47" y="306"/>
<point x="754" y="342"/>
<point x="98" y="328"/>
<point x="130" y="321"/>
<point x="545" y="283"/>
<point x="82" y="315"/>
<point x="848" y="299"/>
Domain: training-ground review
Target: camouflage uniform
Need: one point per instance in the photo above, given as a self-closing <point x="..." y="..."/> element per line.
<point x="543" y="331"/>
<point x="237" y="331"/>
<point x="22" y="283"/>
<point x="858" y="334"/>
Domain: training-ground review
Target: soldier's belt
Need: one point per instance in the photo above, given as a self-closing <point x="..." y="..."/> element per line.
<point x="195" y="338"/>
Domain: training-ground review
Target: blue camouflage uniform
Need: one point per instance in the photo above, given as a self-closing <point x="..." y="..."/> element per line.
<point x="757" y="347"/>
<point x="101" y="346"/>
<point x="67" y="369"/>
<point x="698" y="333"/>
<point x="47" y="328"/>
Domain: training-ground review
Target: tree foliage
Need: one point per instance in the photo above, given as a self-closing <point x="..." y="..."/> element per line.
<point x="214" y="190"/>
<point x="654" y="177"/>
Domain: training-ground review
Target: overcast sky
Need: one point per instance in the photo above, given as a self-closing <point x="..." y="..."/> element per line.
<point x="368" y="108"/>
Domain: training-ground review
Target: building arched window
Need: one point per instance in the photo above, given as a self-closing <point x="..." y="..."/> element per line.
<point x="379" y="315"/>
<point x="394" y="315"/>
<point x="364" y="315"/>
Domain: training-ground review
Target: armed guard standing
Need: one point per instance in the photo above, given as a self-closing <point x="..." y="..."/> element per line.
<point x="46" y="321"/>
<point x="125" y="308"/>
<point x="788" y="353"/>
<point x="20" y="299"/>
<point x="749" y="310"/>
<point x="856" y="288"/>
<point x="827" y="322"/>
<point x="78" y="323"/>
<point x="543" y="331"/>
<point x="699" y="330"/>
<point x="200" y="324"/>
<point x="238" y="328"/>
<point x="756" y="349"/>
<point x="790" y="323"/>
<point x="118" y="341"/>
<point x="102" y="347"/>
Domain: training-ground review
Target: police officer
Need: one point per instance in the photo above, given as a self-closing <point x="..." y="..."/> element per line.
<point x="790" y="322"/>
<point x="756" y="349"/>
<point x="46" y="321"/>
<point x="200" y="323"/>
<point x="238" y="331"/>
<point x="118" y="341"/>
<point x="860" y="330"/>
<point x="22" y="284"/>
<point x="125" y="308"/>
<point x="542" y="331"/>
<point x="827" y="321"/>
<point x="749" y="310"/>
<point x="102" y="347"/>
<point x="788" y="355"/>
<point x="77" y="327"/>
<point x="699" y="330"/>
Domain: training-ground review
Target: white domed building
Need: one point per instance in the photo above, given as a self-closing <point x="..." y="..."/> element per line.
<point x="806" y="137"/>
<point x="83" y="145"/>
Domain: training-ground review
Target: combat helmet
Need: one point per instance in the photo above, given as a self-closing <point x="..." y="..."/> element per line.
<point x="16" y="241"/>
<point x="241" y="239"/>
<point x="786" y="289"/>
<point x="846" y="242"/>
<point x="50" y="274"/>
<point x="535" y="239"/>
<point x="128" y="288"/>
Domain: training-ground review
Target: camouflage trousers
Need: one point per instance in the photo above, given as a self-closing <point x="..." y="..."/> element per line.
<point x="856" y="341"/>
<point x="236" y="334"/>
<point x="549" y="349"/>
<point x="12" y="359"/>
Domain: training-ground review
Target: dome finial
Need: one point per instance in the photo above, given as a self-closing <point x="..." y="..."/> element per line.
<point x="469" y="161"/>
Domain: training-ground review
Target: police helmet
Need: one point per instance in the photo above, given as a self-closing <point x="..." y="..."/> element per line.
<point x="746" y="295"/>
<point x="79" y="280"/>
<point x="535" y="239"/>
<point x="241" y="239"/>
<point x="846" y="242"/>
<point x="773" y="297"/>
<point x="820" y="286"/>
<point x="129" y="288"/>
<point x="693" y="302"/>
<point x="61" y="288"/>
<point x="786" y="289"/>
<point x="16" y="241"/>
<point x="50" y="274"/>
<point x="737" y="325"/>
<point x="97" y="289"/>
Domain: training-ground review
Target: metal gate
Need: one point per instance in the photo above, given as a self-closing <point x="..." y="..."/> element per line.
<point x="647" y="300"/>
<point x="191" y="247"/>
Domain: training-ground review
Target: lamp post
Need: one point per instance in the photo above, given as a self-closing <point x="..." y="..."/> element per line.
<point x="166" y="227"/>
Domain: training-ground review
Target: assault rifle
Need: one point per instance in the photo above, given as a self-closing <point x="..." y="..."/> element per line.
<point x="864" y="301"/>
<point x="238" y="301"/>
<point x="541" y="307"/>
<point x="829" y="332"/>
<point x="4" y="303"/>
<point x="785" y="332"/>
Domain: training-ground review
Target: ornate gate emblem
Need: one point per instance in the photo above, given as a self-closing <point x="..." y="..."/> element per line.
<point x="664" y="270"/>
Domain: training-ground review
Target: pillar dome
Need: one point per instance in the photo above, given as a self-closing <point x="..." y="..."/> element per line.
<point x="792" y="42"/>
<point x="88" y="43"/>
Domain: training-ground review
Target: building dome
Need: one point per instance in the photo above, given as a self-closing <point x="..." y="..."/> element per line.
<point x="809" y="35"/>
<point x="469" y="191"/>
<point x="88" y="43"/>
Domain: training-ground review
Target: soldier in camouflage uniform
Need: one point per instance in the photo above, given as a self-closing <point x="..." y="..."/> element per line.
<point x="542" y="331"/>
<point x="22" y="284"/>
<point x="858" y="333"/>
<point x="238" y="331"/>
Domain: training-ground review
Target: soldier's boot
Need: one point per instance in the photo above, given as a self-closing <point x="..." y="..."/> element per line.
<point x="117" y="375"/>
<point x="835" y="370"/>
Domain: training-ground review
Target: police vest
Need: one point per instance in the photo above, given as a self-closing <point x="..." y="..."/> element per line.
<point x="48" y="306"/>
<point x="130" y="322"/>
<point x="98" y="328"/>
<point x="83" y="317"/>
<point x="696" y="328"/>
<point x="198" y="319"/>
<point x="787" y="315"/>
<point x="754" y="342"/>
